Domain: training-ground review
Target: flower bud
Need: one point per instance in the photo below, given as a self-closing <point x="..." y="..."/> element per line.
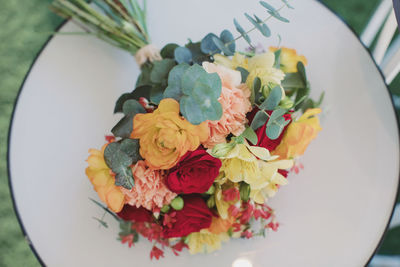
<point x="244" y="191"/>
<point x="211" y="202"/>
<point x="177" y="203"/>
<point x="165" y="208"/>
<point x="286" y="103"/>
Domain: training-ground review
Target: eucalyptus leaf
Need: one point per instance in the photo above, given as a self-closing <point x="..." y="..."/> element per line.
<point x="256" y="93"/>
<point x="207" y="44"/>
<point x="273" y="99"/>
<point x="168" y="51"/>
<point x="278" y="58"/>
<point x="156" y="94"/>
<point x="250" y="135"/>
<point x="141" y="91"/>
<point x="244" y="73"/>
<point x="268" y="6"/>
<point x="240" y="29"/>
<point x="132" y="106"/>
<point x="286" y="2"/>
<point x="278" y="16"/>
<point x="265" y="29"/>
<point x="228" y="39"/>
<point x="259" y="120"/>
<point x="223" y="47"/>
<point x="189" y="78"/>
<point x="302" y="71"/>
<point x="293" y="80"/>
<point x="183" y="55"/>
<point x="144" y="77"/>
<point x="197" y="55"/>
<point x="124" y="127"/>
<point x="174" y="82"/>
<point x="262" y="28"/>
<point x="273" y="131"/>
<point x="160" y="70"/>
<point x="275" y="115"/>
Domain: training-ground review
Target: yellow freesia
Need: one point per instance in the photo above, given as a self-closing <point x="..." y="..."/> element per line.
<point x="205" y="241"/>
<point x="103" y="181"/>
<point x="267" y="185"/>
<point x="298" y="135"/>
<point x="289" y="59"/>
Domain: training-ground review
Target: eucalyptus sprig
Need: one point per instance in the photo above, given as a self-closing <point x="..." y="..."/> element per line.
<point x="121" y="23"/>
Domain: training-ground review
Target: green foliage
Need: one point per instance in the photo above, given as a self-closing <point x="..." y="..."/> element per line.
<point x="200" y="93"/>
<point x="197" y="55"/>
<point x="168" y="51"/>
<point x="256" y="93"/>
<point x="273" y="12"/>
<point x="244" y="73"/>
<point x="141" y="91"/>
<point x="119" y="156"/>
<point x="242" y="32"/>
<point x="160" y="70"/>
<point x="276" y="124"/>
<point x="244" y="190"/>
<point x="273" y="99"/>
<point x="259" y="120"/>
<point x="228" y="40"/>
<point x="208" y="46"/>
<point x="183" y="55"/>
<point x="174" y="89"/>
<point x="259" y="25"/>
<point x="250" y="135"/>
<point x="124" y="127"/>
<point x="277" y="54"/>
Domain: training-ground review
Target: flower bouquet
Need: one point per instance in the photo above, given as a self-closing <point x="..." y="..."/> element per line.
<point x="208" y="135"/>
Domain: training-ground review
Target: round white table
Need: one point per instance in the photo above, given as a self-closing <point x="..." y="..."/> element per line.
<point x="333" y="213"/>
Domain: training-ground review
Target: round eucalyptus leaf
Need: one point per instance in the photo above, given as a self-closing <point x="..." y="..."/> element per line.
<point x="183" y="55"/>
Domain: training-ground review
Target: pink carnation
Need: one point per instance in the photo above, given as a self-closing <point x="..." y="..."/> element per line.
<point x="235" y="104"/>
<point x="149" y="191"/>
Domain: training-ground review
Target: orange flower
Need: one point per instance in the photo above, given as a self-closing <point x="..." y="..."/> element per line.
<point x="165" y="136"/>
<point x="103" y="180"/>
<point x="219" y="225"/>
<point x="299" y="135"/>
<point x="289" y="59"/>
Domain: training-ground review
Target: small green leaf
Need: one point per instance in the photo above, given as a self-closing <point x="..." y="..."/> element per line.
<point x="213" y="85"/>
<point x="132" y="106"/>
<point x="189" y="78"/>
<point x="268" y="6"/>
<point x="273" y="99"/>
<point x="141" y="91"/>
<point x="102" y="223"/>
<point x="156" y="94"/>
<point x="286" y="2"/>
<point x="168" y="51"/>
<point x="278" y="16"/>
<point x="275" y="115"/>
<point x="183" y="55"/>
<point x="302" y="71"/>
<point x="198" y="56"/>
<point x="144" y="77"/>
<point x="244" y="73"/>
<point x="256" y="90"/>
<point x="228" y="39"/>
<point x="259" y="120"/>
<point x="293" y="80"/>
<point x="125" y="126"/>
<point x="244" y="190"/>
<point x="278" y="58"/>
<point x="160" y="70"/>
<point x="273" y="131"/>
<point x="221" y="46"/>
<point x="207" y="44"/>
<point x="250" y="135"/>
<point x="240" y="29"/>
<point x="118" y="157"/>
<point x="261" y="27"/>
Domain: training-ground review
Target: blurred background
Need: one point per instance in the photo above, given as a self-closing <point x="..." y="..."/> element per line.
<point x="25" y="27"/>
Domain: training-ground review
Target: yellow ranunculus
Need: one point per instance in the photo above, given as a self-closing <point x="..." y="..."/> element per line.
<point x="103" y="181"/>
<point x="205" y="241"/>
<point x="298" y="135"/>
<point x="165" y="136"/>
<point x="289" y="59"/>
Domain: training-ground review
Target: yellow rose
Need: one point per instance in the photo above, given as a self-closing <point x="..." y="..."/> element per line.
<point x="289" y="59"/>
<point x="165" y="136"/>
<point x="299" y="135"/>
<point x="103" y="180"/>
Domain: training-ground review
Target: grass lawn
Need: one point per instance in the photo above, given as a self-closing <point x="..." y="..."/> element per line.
<point x="21" y="39"/>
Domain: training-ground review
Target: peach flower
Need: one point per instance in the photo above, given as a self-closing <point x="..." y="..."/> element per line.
<point x="149" y="191"/>
<point x="235" y="104"/>
<point x="103" y="180"/>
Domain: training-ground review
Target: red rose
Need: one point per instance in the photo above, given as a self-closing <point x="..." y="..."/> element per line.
<point x="263" y="140"/>
<point x="194" y="173"/>
<point x="194" y="216"/>
<point x="131" y="213"/>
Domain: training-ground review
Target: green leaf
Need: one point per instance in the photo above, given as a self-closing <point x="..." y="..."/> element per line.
<point x="144" y="77"/>
<point x="293" y="80"/>
<point x="256" y="93"/>
<point x="168" y="51"/>
<point x="208" y="46"/>
<point x="156" y="94"/>
<point x="244" y="73"/>
<point x="118" y="157"/>
<point x="321" y="98"/>
<point x="125" y="126"/>
<point x="174" y="82"/>
<point x="259" y="120"/>
<point x="240" y="29"/>
<point x="268" y="6"/>
<point x="244" y="190"/>
<point x="227" y="38"/>
<point x="223" y="47"/>
<point x="302" y="71"/>
<point x="286" y="2"/>
<point x="273" y="99"/>
<point x="213" y="84"/>
<point x="274" y="129"/>
<point x="160" y="70"/>
<point x="189" y="78"/>
<point x="141" y="91"/>
<point x="275" y="115"/>
<point x="278" y="16"/>
<point x="198" y="56"/>
<point x="190" y="110"/>
<point x="261" y="27"/>
<point x="250" y="135"/>
<point x="278" y="58"/>
<point x="183" y="55"/>
<point x="103" y="223"/>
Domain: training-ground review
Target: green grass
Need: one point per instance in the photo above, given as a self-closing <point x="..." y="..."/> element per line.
<point x="21" y="38"/>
